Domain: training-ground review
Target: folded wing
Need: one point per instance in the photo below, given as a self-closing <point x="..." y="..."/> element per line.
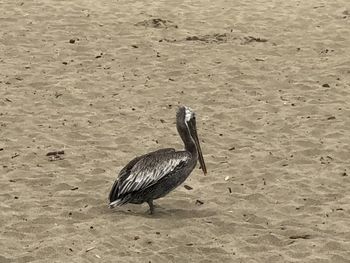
<point x="145" y="171"/>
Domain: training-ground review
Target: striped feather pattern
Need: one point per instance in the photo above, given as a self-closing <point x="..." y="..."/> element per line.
<point x="144" y="171"/>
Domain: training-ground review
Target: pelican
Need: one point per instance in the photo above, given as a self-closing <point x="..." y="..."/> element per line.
<point x="154" y="175"/>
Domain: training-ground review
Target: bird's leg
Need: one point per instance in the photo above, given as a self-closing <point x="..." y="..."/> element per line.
<point x="151" y="207"/>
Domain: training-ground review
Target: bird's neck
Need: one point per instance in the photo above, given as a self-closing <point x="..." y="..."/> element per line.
<point x="190" y="146"/>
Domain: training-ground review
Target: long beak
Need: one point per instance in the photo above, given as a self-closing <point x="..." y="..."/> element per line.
<point x="199" y="150"/>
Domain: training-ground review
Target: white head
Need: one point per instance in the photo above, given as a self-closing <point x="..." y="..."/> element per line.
<point x="189" y="114"/>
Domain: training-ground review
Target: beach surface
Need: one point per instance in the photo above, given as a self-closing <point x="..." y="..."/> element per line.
<point x="102" y="80"/>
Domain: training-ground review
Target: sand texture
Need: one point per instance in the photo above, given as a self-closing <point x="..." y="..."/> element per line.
<point x="102" y="80"/>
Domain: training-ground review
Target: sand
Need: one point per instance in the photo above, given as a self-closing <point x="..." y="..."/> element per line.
<point x="101" y="80"/>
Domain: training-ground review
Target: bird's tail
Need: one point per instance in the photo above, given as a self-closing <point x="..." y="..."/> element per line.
<point x="119" y="202"/>
<point x="115" y="199"/>
<point x="115" y="203"/>
<point x="113" y="195"/>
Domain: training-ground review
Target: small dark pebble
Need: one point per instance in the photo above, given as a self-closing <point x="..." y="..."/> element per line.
<point x="171" y="79"/>
<point x="331" y="118"/>
<point x="220" y="134"/>
<point x="232" y="148"/>
<point x="70" y="249"/>
<point x="135" y="46"/>
<point x="12" y="180"/>
<point x="64" y="63"/>
<point x="344" y="174"/>
<point x="1" y="149"/>
<point x="15" y="155"/>
<point x="72" y="41"/>
<point x="162" y="121"/>
<point x="70" y="213"/>
<point x="157" y="233"/>
<point x="187" y="187"/>
<point x="57" y="95"/>
<point x="55" y="153"/>
<point x="74" y="188"/>
<point x="250" y="39"/>
<point x="136" y="237"/>
<point x="326" y="85"/>
<point x="229" y="190"/>
<point x="91" y="227"/>
<point x="16" y="197"/>
<point x="199" y="202"/>
<point x="189" y="244"/>
<point x="300" y="236"/>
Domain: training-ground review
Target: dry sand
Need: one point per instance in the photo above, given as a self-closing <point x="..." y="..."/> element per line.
<point x="101" y="80"/>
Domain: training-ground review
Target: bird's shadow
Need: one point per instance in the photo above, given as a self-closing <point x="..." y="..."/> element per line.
<point x="162" y="212"/>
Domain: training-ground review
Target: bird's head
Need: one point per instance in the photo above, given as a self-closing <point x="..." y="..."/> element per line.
<point x="186" y="121"/>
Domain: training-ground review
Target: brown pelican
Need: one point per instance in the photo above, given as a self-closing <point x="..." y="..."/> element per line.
<point x="154" y="175"/>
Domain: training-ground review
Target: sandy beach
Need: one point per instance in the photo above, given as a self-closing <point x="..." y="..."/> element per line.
<point x="102" y="80"/>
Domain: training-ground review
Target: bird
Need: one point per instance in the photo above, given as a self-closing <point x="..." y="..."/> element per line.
<point x="155" y="174"/>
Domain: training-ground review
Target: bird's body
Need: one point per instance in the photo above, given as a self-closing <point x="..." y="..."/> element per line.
<point x="154" y="175"/>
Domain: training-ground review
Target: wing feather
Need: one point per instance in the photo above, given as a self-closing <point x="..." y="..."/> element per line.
<point x="144" y="171"/>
